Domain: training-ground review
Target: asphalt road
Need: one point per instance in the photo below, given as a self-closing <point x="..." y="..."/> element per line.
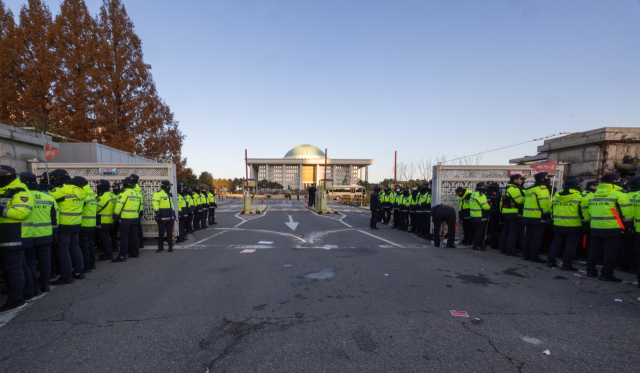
<point x="329" y="296"/>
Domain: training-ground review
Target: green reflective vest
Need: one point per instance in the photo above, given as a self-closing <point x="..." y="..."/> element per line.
<point x="141" y="195"/>
<point x="512" y="201"/>
<point x="162" y="205"/>
<point x="566" y="212"/>
<point x="465" y="201"/>
<point x="105" y="208"/>
<point x="478" y="207"/>
<point x="16" y="227"/>
<point x="424" y="198"/>
<point x="536" y="203"/>
<point x="44" y="217"/>
<point x="182" y="205"/>
<point x="70" y="200"/>
<point x="204" y="198"/>
<point x="196" y="202"/>
<point x="89" y="209"/>
<point x="606" y="202"/>
<point x="128" y="206"/>
<point x="634" y="198"/>
<point x="190" y="206"/>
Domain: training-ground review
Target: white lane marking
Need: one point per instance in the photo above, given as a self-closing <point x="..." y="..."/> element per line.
<point x="342" y="217"/>
<point x="380" y="238"/>
<point x="217" y="234"/>
<point x="291" y="224"/>
<point x="265" y="231"/>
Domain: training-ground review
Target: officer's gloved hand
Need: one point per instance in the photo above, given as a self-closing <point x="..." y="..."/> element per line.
<point x="116" y="218"/>
<point x="547" y="218"/>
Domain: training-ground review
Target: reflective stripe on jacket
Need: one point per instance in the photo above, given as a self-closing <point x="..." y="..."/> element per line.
<point x="479" y="207"/>
<point x="70" y="200"/>
<point x="536" y="204"/>
<point x="104" y="210"/>
<point x="16" y="227"/>
<point x="89" y="209"/>
<point x="162" y="205"/>
<point x="566" y="212"/>
<point x="606" y="200"/>
<point x="44" y="217"/>
<point x="512" y="201"/>
<point x="128" y="205"/>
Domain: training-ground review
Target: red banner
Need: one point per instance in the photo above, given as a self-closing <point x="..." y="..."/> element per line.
<point x="549" y="167"/>
<point x="51" y="152"/>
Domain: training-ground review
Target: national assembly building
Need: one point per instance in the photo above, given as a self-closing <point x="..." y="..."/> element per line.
<point x="304" y="165"/>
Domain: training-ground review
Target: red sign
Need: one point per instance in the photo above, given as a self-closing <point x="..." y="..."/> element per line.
<point x="516" y="172"/>
<point x="549" y="167"/>
<point x="459" y="313"/>
<point x="51" y="152"/>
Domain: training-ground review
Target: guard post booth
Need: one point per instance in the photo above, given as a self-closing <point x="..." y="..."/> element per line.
<point x="323" y="195"/>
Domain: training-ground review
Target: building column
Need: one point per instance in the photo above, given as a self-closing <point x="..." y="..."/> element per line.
<point x="366" y="174"/>
<point x="300" y="173"/>
<point x="284" y="176"/>
<point x="333" y="174"/>
<point x="266" y="172"/>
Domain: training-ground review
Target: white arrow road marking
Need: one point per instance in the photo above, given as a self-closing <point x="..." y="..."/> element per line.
<point x="291" y="224"/>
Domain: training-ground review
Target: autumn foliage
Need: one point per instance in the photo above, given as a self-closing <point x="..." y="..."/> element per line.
<point x="84" y="77"/>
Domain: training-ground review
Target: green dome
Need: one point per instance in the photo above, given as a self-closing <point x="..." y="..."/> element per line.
<point x="304" y="151"/>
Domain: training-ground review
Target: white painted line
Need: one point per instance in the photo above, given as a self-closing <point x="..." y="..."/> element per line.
<point x="265" y="231"/>
<point x="380" y="238"/>
<point x="217" y="234"/>
<point x="248" y="251"/>
<point x="342" y="217"/>
<point x="265" y="242"/>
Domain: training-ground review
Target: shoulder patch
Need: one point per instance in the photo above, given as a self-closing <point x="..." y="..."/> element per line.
<point x="24" y="199"/>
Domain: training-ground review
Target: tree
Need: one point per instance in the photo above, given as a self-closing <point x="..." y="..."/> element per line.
<point x="206" y="178"/>
<point x="38" y="67"/>
<point x="9" y="65"/>
<point x="190" y="180"/>
<point x="76" y="45"/>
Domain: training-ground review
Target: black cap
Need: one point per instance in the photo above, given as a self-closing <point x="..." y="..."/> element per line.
<point x="116" y="185"/>
<point x="28" y="178"/>
<point x="635" y="182"/>
<point x="103" y="182"/>
<point x="127" y="181"/>
<point x="81" y="181"/>
<point x="592" y="183"/>
<point x="610" y="178"/>
<point x="180" y="185"/>
<point x="516" y="177"/>
<point x="58" y="173"/>
<point x="481" y="185"/>
<point x="460" y="190"/>
<point x="572" y="183"/>
<point x="6" y="170"/>
<point x="166" y="183"/>
<point x="134" y="177"/>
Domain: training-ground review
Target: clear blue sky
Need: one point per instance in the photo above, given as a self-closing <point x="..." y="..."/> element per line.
<point x="365" y="78"/>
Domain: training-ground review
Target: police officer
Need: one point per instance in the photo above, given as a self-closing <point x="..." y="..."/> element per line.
<point x="383" y="202"/>
<point x="511" y="208"/>
<point x="127" y="212"/>
<point x="387" y="204"/>
<point x="493" y="224"/>
<point x="424" y="209"/>
<point x="43" y="217"/>
<point x="413" y="204"/>
<point x="591" y="187"/>
<point x="406" y="201"/>
<point x="105" y="207"/>
<point x="479" y="210"/>
<point x="536" y="216"/>
<point x="197" y="203"/>
<point x="375" y="206"/>
<point x="164" y="214"/>
<point x="115" y="189"/>
<point x="567" y="224"/>
<point x="204" y="201"/>
<point x="136" y="180"/>
<point x="397" y="214"/>
<point x="70" y="197"/>
<point x="16" y="234"/>
<point x="88" y="227"/>
<point x="213" y="205"/>
<point x="634" y="198"/>
<point x="611" y="215"/>
<point x="182" y="214"/>
<point x="444" y="214"/>
<point x="46" y="186"/>
<point x="464" y="214"/>
<point x="190" y="209"/>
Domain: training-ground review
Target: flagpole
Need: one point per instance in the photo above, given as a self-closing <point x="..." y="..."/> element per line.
<point x="46" y="160"/>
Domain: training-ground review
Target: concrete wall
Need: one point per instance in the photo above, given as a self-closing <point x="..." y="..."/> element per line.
<point x="19" y="147"/>
<point x="95" y="153"/>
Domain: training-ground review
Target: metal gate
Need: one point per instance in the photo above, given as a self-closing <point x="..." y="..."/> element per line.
<point x="446" y="178"/>
<point x="151" y="176"/>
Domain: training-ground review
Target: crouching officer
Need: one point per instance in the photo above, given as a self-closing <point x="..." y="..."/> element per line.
<point x="182" y="214"/>
<point x="567" y="224"/>
<point x="213" y="205"/>
<point x="479" y="208"/>
<point x="127" y="213"/>
<point x="16" y="207"/>
<point x="164" y="214"/>
<point x="444" y="214"/>
<point x="104" y="213"/>
<point x="611" y="215"/>
<point x="44" y="217"/>
<point x="464" y="214"/>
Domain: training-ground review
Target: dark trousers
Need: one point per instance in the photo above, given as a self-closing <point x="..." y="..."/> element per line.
<point x="203" y="222"/>
<point x="636" y="249"/>
<point x="509" y="237"/>
<point x="105" y="239"/>
<point x="412" y="223"/>
<point x="212" y="214"/>
<point x="374" y="218"/>
<point x="140" y="234"/>
<point x="494" y="230"/>
<point x="312" y="201"/>
<point x="570" y="242"/>
<point x="40" y="255"/>
<point x="197" y="220"/>
<point x="114" y="237"/>
<point x="532" y="240"/>
<point x="189" y="223"/>
<point x="129" y="237"/>
<point x="447" y="216"/>
<point x="426" y="224"/>
<point x="30" y="270"/>
<point x="386" y="215"/>
<point x="603" y="245"/>
<point x="478" y="233"/>
<point x="55" y="268"/>
<point x="405" y="218"/>
<point x="69" y="254"/>
<point x="397" y="216"/>
<point x="469" y="230"/>
<point x="182" y="231"/>
<point x="88" y="252"/>
<point x="165" y="226"/>
<point x="13" y="265"/>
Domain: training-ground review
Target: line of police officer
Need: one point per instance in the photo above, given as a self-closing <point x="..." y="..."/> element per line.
<point x="605" y="219"/>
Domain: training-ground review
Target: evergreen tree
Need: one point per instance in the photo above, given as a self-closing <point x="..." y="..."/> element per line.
<point x="76" y="46"/>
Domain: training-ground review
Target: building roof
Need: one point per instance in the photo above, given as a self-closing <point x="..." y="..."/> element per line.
<point x="304" y="152"/>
